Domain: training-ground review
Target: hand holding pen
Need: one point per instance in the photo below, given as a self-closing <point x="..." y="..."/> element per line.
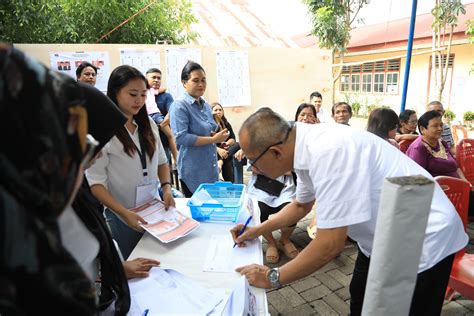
<point x="241" y="233"/>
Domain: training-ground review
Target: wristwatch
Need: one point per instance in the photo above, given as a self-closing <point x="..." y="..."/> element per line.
<point x="273" y="276"/>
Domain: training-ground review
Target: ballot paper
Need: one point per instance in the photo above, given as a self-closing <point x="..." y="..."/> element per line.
<point x="165" y="225"/>
<point x="202" y="197"/>
<point x="168" y="292"/>
<point x="222" y="256"/>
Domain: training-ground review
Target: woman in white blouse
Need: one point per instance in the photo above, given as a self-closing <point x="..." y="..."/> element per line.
<point x="133" y="161"/>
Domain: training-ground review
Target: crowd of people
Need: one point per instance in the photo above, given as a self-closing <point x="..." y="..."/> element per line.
<point x="69" y="195"/>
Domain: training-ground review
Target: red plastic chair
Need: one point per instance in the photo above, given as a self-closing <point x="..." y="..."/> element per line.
<point x="465" y="158"/>
<point x="404" y="144"/>
<point x="461" y="278"/>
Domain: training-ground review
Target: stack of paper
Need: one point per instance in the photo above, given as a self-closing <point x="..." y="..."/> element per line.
<point x="166" y="291"/>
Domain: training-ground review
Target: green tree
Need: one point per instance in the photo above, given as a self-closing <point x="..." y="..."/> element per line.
<point x="332" y="22"/>
<point x="445" y="14"/>
<point x="78" y="21"/>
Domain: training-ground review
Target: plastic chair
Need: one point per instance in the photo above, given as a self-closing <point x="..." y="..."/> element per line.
<point x="404" y="144"/>
<point x="461" y="278"/>
<point x="455" y="129"/>
<point x="465" y="158"/>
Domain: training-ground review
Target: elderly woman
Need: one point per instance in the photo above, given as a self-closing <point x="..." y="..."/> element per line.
<point x="407" y="128"/>
<point x="430" y="151"/>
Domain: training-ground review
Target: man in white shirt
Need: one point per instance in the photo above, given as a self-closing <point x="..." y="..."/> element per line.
<point x="316" y="99"/>
<point x="344" y="169"/>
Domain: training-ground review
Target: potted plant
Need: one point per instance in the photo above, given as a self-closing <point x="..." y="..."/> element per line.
<point x="449" y="115"/>
<point x="468" y="118"/>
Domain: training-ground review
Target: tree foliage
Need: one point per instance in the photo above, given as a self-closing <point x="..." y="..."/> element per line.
<point x="445" y="13"/>
<point x="331" y="24"/>
<point x="78" y="21"/>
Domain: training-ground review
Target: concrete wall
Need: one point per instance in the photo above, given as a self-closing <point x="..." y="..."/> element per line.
<point x="280" y="78"/>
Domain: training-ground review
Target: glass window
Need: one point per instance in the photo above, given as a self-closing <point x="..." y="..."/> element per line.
<point x="355" y="82"/>
<point x="392" y="83"/>
<point x="345" y="83"/>
<point x="379" y="79"/>
<point x="367" y="83"/>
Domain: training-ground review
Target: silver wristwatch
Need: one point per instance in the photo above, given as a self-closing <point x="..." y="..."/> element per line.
<point x="273" y="276"/>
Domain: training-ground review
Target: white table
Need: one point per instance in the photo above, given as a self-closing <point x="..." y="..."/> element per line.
<point x="187" y="255"/>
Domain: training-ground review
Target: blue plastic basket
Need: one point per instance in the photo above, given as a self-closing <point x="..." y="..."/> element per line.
<point x="229" y="197"/>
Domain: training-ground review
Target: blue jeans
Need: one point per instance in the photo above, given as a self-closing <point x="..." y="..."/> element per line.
<point x="126" y="237"/>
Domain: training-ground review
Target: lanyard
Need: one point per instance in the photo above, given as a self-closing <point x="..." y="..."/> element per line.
<point x="141" y="154"/>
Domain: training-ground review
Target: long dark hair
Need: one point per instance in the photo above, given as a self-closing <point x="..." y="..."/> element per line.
<point x="119" y="77"/>
<point x="222" y="119"/>
<point x="381" y="121"/>
<point x="303" y="106"/>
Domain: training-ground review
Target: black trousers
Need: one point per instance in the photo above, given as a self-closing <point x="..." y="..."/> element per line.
<point x="184" y="188"/>
<point x="429" y="291"/>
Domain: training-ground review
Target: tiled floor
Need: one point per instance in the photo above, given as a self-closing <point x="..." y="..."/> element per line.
<point x="326" y="292"/>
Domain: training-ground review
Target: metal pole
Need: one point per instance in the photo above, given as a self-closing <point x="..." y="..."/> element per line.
<point x="409" y="49"/>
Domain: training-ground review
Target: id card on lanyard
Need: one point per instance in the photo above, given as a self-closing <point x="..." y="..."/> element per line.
<point x="148" y="189"/>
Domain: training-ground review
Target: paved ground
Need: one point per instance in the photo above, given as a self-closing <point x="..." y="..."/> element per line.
<point x="325" y="292"/>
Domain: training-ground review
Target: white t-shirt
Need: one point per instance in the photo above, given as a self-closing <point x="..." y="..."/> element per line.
<point x="120" y="174"/>
<point x="322" y="115"/>
<point x="287" y="195"/>
<point x="344" y="169"/>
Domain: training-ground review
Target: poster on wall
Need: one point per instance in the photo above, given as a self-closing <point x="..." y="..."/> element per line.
<point x="233" y="78"/>
<point x="67" y="63"/>
<point x="176" y="58"/>
<point x="140" y="58"/>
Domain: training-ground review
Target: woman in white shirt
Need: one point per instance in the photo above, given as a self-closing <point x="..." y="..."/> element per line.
<point x="133" y="161"/>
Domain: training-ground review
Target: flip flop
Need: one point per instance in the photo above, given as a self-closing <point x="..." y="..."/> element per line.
<point x="272" y="255"/>
<point x="288" y="249"/>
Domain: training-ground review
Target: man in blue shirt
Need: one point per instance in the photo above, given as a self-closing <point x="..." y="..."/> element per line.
<point x="163" y="101"/>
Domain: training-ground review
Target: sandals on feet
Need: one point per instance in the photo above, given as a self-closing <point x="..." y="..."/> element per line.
<point x="288" y="249"/>
<point x="272" y="255"/>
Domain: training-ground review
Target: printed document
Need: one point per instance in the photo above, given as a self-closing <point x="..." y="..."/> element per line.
<point x="165" y="225"/>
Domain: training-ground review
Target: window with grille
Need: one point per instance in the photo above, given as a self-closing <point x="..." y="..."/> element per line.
<point x="379" y="80"/>
<point x="373" y="77"/>
<point x="345" y="83"/>
<point x="355" y="82"/>
<point x="367" y="83"/>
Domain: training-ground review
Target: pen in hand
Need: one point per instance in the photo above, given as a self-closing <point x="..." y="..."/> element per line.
<point x="243" y="228"/>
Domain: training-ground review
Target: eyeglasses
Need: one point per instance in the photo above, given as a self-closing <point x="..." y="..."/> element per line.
<point x="414" y="122"/>
<point x="254" y="161"/>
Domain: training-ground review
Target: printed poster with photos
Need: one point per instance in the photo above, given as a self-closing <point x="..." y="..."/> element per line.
<point x="67" y="63"/>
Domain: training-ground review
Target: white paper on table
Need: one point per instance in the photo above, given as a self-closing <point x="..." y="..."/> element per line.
<point x="166" y="291"/>
<point x="405" y="204"/>
<point x="221" y="256"/>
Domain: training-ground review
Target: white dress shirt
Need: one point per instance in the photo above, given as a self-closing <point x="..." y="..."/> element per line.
<point x="120" y="174"/>
<point x="344" y="169"/>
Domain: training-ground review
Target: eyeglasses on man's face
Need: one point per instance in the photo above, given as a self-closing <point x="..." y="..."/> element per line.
<point x="254" y="161"/>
